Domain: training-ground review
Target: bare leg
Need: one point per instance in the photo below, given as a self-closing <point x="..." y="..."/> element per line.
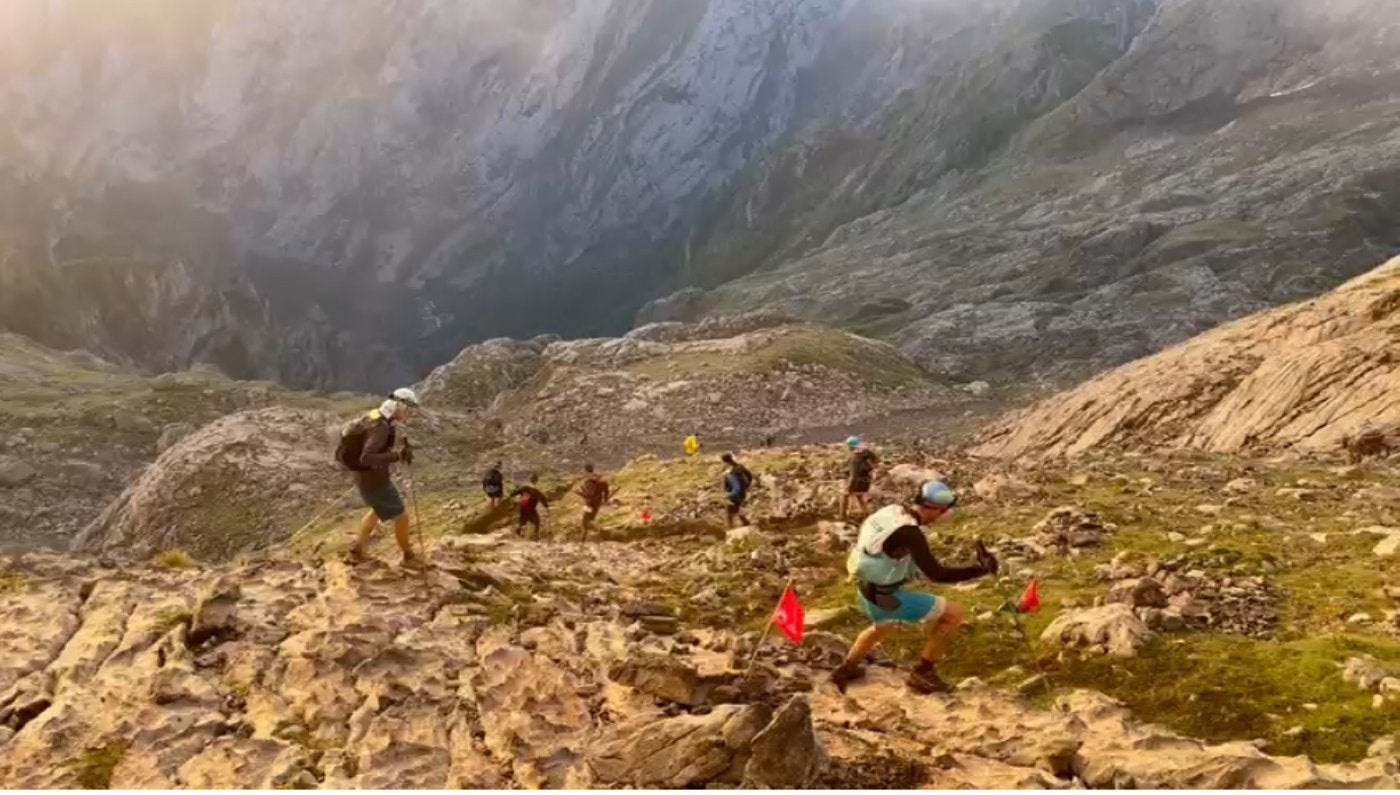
<point x="401" y="534"/>
<point x="367" y="525"/>
<point x="941" y="633"/>
<point x="868" y="640"/>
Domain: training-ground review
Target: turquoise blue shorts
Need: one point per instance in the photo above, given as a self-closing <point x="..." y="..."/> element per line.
<point x="915" y="607"/>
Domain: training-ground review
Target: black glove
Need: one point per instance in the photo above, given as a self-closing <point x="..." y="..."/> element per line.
<point x="986" y="559"/>
<point x="406" y="454"/>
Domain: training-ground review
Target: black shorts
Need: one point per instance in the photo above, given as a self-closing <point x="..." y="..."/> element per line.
<point x="735" y="505"/>
<point x="495" y="492"/>
<point x="529" y="517"/>
<point x="858" y="487"/>
<point x="385" y="501"/>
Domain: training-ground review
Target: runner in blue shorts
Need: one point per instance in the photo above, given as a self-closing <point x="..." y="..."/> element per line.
<point x="890" y="551"/>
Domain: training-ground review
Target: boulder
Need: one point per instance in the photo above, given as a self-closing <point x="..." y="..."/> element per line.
<point x="242" y="482"/>
<point x="1144" y="592"/>
<point x="1113" y="628"/>
<point x="787" y="753"/>
<point x="1366" y="673"/>
<point x="1388" y="546"/>
<point x="998" y="486"/>
<point x="664" y="677"/>
<point x="910" y="476"/>
<point x="673" y="753"/>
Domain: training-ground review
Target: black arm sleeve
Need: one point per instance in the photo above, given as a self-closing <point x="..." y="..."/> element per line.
<point x="912" y="538"/>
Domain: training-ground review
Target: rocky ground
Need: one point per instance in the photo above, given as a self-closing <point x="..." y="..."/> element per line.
<point x="555" y="663"/>
<point x="1170" y="587"/>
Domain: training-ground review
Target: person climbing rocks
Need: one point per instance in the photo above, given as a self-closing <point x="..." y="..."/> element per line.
<point x="367" y="449"/>
<point x="494" y="484"/>
<point x="595" y="491"/>
<point x="863" y="461"/>
<point x="890" y="550"/>
<point x="737" y="480"/>
<point x="529" y="499"/>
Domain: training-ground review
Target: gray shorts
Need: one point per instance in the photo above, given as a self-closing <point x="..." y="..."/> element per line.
<point x="385" y="501"/>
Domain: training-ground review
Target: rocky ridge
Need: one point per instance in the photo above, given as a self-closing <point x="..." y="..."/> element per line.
<point x="1321" y="376"/>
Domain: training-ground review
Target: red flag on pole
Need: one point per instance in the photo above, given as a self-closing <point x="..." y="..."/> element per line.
<point x="1030" y="599"/>
<point x="789" y="616"/>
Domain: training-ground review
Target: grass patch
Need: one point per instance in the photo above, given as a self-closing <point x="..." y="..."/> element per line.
<point x="802" y="346"/>
<point x="95" y="766"/>
<point x="1218" y="688"/>
<point x="171" y="618"/>
<point x="175" y="559"/>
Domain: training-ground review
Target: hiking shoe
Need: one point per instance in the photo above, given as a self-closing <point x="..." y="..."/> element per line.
<point x="845" y="674"/>
<point x="414" y="562"/>
<point x="356" y="556"/>
<point x="927" y="680"/>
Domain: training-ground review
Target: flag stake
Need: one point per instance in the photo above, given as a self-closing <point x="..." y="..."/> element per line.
<point x="767" y="628"/>
<point x="1021" y="630"/>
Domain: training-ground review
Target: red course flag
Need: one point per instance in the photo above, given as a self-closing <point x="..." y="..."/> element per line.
<point x="789" y="616"/>
<point x="1030" y="599"/>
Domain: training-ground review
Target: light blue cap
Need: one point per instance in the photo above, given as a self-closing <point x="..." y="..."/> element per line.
<point x="853" y="442"/>
<point x="936" y="492"/>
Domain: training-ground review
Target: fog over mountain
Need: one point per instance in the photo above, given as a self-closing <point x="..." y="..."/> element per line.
<point x="347" y="192"/>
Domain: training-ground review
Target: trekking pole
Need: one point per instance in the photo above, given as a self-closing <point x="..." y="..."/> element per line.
<point x="323" y="514"/>
<point x="417" y="520"/>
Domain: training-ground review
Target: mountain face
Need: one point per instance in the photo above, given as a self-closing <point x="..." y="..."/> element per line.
<point x="1238" y="154"/>
<point x="347" y="192"/>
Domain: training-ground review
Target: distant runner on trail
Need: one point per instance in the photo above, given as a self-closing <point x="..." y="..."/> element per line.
<point x="889" y="552"/>
<point x="863" y="462"/>
<point x="494" y="484"/>
<point x="367" y="449"/>
<point x="595" y="491"/>
<point x="737" y="481"/>
<point x="529" y="499"/>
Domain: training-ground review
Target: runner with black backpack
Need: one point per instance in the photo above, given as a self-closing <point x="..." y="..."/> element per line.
<point x="737" y="482"/>
<point x="367" y="449"/>
<point x="595" y="492"/>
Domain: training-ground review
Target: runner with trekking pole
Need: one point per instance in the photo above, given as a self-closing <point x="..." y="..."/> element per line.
<point x="367" y="450"/>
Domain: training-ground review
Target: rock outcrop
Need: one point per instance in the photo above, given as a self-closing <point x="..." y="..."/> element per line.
<point x="237" y="484"/>
<point x="1310" y="377"/>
